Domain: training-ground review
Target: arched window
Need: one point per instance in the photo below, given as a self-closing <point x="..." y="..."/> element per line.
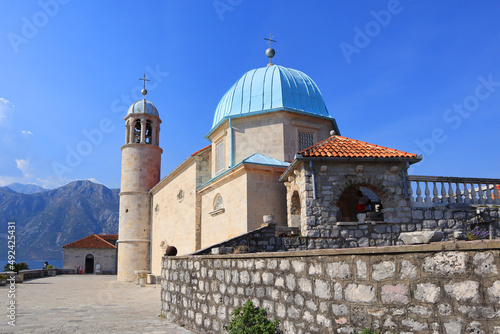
<point x="294" y="218"/>
<point x="295" y="208"/>
<point x="137" y="131"/>
<point x="218" y="205"/>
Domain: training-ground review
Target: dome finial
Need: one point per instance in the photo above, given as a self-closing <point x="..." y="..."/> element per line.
<point x="270" y="51"/>
<point x="144" y="91"/>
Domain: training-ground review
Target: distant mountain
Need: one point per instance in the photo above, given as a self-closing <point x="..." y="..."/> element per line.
<point x="26" y="188"/>
<point x="47" y="220"/>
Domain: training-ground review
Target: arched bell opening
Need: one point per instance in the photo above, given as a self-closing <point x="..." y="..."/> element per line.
<point x="349" y="204"/>
<point x="149" y="133"/>
<point x="137" y="131"/>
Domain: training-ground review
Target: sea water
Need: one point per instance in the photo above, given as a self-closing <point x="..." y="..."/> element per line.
<point x="36" y="264"/>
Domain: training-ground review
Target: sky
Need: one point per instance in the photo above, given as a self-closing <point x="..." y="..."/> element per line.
<point x="418" y="76"/>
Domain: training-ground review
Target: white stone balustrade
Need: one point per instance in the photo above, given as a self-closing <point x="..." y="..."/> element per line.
<point x="427" y="191"/>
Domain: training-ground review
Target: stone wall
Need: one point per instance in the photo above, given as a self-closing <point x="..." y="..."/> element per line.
<point x="450" y="287"/>
<point x="174" y="213"/>
<point x="454" y="218"/>
<point x="75" y="257"/>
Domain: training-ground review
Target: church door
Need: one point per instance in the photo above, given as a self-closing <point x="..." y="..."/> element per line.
<point x="89" y="264"/>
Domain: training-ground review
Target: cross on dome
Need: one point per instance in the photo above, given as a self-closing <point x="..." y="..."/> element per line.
<point x="270" y="51"/>
<point x="144" y="91"/>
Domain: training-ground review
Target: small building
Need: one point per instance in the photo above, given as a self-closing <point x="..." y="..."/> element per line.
<point x="96" y="253"/>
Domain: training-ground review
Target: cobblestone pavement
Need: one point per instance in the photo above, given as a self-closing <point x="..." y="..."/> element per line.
<point x="84" y="304"/>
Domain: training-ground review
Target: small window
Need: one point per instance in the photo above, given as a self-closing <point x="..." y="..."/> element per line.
<point x="220" y="156"/>
<point x="218" y="206"/>
<point x="306" y="139"/>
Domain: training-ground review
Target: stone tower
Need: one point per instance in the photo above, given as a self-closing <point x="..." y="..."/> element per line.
<point x="141" y="162"/>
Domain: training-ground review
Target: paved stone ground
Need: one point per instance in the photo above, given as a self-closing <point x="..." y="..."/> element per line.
<point x="85" y="304"/>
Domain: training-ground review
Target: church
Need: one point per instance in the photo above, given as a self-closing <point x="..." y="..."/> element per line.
<point x="224" y="190"/>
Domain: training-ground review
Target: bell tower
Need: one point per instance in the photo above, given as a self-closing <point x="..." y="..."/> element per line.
<point x="141" y="163"/>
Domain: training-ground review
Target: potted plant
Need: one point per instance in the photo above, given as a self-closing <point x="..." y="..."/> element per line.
<point x="51" y="270"/>
<point x="17" y="267"/>
<point x="3" y="279"/>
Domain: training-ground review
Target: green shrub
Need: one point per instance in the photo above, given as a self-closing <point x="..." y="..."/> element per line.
<point x="248" y="319"/>
<point x="367" y="331"/>
<point x="16" y="267"/>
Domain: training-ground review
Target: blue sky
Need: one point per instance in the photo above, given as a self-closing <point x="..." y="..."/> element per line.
<point x="418" y="76"/>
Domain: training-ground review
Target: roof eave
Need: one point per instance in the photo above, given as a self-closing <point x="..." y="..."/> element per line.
<point x="299" y="158"/>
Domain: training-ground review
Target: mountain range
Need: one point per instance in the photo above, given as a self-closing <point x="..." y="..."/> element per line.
<point x="46" y="220"/>
<point x="26" y="188"/>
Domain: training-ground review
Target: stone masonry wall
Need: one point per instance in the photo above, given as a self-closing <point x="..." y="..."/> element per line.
<point x="450" y="287"/>
<point x="319" y="208"/>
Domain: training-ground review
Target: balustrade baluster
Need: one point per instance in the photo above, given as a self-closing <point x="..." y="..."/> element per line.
<point x="451" y="193"/>
<point x="419" y="192"/>
<point x="444" y="197"/>
<point x="458" y="193"/>
<point x="489" y="199"/>
<point x="435" y="199"/>
<point x="473" y="193"/>
<point x="482" y="200"/>
<point x="466" y="194"/>
<point x="427" y="192"/>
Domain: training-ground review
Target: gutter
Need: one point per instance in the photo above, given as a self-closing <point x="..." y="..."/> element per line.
<point x="150" y="232"/>
<point x="231" y="143"/>
<point x="313" y="178"/>
<point x="405" y="182"/>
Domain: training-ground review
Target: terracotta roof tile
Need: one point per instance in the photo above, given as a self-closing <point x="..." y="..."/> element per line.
<point x="109" y="237"/>
<point x="342" y="147"/>
<point x="92" y="241"/>
<point x="203" y="149"/>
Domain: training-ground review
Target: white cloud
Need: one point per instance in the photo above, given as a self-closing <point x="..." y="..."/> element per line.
<point x="28" y="133"/>
<point x="52" y="182"/>
<point x="5" y="110"/>
<point x="6" y="180"/>
<point x="24" y="166"/>
<point x="94" y="180"/>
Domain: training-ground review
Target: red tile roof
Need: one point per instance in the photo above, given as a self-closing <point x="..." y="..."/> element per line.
<point x="342" y="147"/>
<point x="109" y="237"/>
<point x="199" y="151"/>
<point x="93" y="241"/>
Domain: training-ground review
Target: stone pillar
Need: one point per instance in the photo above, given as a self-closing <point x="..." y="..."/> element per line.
<point x="143" y="131"/>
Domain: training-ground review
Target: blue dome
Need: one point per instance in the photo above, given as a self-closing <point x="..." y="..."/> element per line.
<point x="269" y="89"/>
<point x="143" y="107"/>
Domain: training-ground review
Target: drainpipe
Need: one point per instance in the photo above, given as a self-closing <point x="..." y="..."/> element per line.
<point x="405" y="182"/>
<point x="231" y="142"/>
<point x="150" y="232"/>
<point x="313" y="178"/>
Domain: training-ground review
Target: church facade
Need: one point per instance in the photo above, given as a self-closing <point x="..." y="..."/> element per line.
<point x="226" y="188"/>
<point x="274" y="150"/>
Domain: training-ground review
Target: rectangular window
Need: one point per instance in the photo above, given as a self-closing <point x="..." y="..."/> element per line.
<point x="306" y="139"/>
<point x="220" y="156"/>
